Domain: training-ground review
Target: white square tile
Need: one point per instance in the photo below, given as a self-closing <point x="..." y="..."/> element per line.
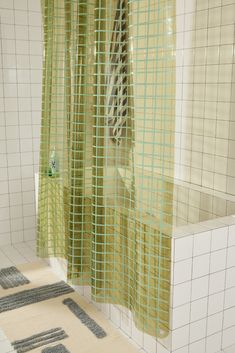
<point x="27" y="171"/>
<point x="229" y="298"/>
<point x="21" y="17"/>
<point x="231" y="256"/>
<point x="3" y="187"/>
<point x="202" y="4"/>
<point x="202" y="243"/>
<point x="13" y="159"/>
<point x="36" y="90"/>
<point x="228" y="14"/>
<point x="180" y="337"/>
<point x="25" y="118"/>
<point x="35" y="34"/>
<point x="200" y="287"/>
<point x="15" y="186"/>
<point x="213" y="343"/>
<point x="16" y="212"/>
<point x="26" y="132"/>
<point x="150" y="344"/>
<point x="218" y="260"/>
<point x="228" y="337"/>
<point x="215" y="303"/>
<point x="201" y="265"/>
<point x="10" y="90"/>
<point x="226" y="54"/>
<point x="214" y="323"/>
<point x="11" y="104"/>
<point x="219" y="238"/>
<point x="36" y="62"/>
<point x="22" y="48"/>
<point x="14" y="173"/>
<point x="226" y="34"/>
<point x="23" y="61"/>
<point x="8" y="46"/>
<point x="22" y="32"/>
<point x="4" y="214"/>
<point x="17" y="237"/>
<point x="230" y="277"/>
<point x="229" y="318"/>
<point x="4" y="227"/>
<point x="180" y="316"/>
<point x="36" y="76"/>
<point x="34" y="5"/>
<point x="182" y="271"/>
<point x="28" y="197"/>
<point x="181" y="293"/>
<point x="198" y="346"/>
<point x="23" y="76"/>
<point x="16" y="224"/>
<point x="3" y="174"/>
<point x="29" y="234"/>
<point x="6" y="4"/>
<point x="24" y="104"/>
<point x="35" y="19"/>
<point x="183" y="248"/>
<point x="5" y="239"/>
<point x="7" y="15"/>
<point x="8" y="31"/>
<point x="29" y="222"/>
<point x="4" y="200"/>
<point x="26" y="158"/>
<point x="217" y="281"/>
<point x="198" y="309"/>
<point x="13" y="146"/>
<point x="35" y="47"/>
<point x="20" y="4"/>
<point x="197" y="330"/>
<point x="231" y="237"/>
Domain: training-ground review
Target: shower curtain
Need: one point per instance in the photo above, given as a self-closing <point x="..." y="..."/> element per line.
<point x="107" y="150"/>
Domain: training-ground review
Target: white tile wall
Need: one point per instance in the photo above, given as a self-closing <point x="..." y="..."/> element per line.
<point x="203" y="305"/>
<point x="20" y="105"/>
<point x="205" y="123"/>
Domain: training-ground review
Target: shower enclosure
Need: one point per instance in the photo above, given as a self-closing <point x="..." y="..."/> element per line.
<point x="136" y="190"/>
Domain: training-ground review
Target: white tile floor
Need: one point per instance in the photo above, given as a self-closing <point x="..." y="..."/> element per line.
<point x="20" y="253"/>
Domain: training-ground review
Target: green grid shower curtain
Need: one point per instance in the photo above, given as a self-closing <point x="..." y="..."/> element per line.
<point x="108" y="115"/>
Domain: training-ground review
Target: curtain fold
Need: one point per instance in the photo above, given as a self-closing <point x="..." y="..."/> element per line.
<point x="108" y="128"/>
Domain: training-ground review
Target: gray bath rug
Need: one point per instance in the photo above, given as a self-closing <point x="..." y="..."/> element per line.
<point x="11" y="277"/>
<point x="35" y="295"/>
<point x="85" y="318"/>
<point x="40" y="339"/>
<point x="60" y="348"/>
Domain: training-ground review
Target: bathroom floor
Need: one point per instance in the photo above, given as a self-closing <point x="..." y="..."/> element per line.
<point x="23" y="253"/>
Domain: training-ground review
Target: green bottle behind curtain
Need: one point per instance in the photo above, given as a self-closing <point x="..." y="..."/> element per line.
<point x="108" y="110"/>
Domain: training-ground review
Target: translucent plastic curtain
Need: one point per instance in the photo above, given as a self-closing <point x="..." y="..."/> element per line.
<point x="106" y="167"/>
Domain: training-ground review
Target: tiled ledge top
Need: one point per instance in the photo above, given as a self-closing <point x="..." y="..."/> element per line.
<point x="201" y="227"/>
